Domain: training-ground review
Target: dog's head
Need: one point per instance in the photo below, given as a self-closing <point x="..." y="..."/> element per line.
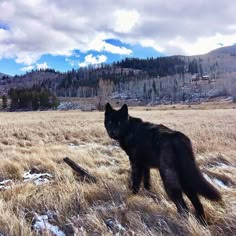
<point x="115" y="120"/>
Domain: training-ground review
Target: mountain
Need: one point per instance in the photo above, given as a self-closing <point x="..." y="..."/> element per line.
<point x="151" y="80"/>
<point x="225" y="50"/>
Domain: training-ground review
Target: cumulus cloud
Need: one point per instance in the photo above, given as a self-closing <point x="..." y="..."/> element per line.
<point x="93" y="60"/>
<point x="57" y="27"/>
<point x="42" y="66"/>
<point x="100" y="45"/>
<point x="27" y="68"/>
<point x="39" y="66"/>
<point x="126" y="20"/>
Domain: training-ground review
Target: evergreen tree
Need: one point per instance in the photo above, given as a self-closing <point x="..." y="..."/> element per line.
<point x="4" y="101"/>
<point x="55" y="102"/>
<point x="44" y="99"/>
<point x="14" y="99"/>
<point x="35" y="100"/>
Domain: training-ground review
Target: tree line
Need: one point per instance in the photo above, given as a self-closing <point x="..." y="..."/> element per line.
<point x="30" y="99"/>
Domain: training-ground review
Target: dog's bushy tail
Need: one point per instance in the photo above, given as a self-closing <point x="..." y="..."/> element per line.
<point x="191" y="177"/>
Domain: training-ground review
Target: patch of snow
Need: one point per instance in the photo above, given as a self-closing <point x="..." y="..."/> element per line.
<point x="220" y="183"/>
<point x="216" y="181"/>
<point x="117" y="95"/>
<point x="222" y="165"/>
<point x="115" y="226"/>
<point x="41" y="224"/>
<point x="64" y="106"/>
<point x="6" y="184"/>
<point x="38" y="179"/>
<point x="41" y="181"/>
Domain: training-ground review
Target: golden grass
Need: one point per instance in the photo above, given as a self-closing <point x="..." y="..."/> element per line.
<point x="43" y="139"/>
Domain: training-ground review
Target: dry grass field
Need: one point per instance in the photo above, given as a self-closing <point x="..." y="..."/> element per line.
<point x="64" y="205"/>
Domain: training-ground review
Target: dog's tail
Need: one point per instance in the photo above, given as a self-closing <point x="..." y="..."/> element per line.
<point x="191" y="178"/>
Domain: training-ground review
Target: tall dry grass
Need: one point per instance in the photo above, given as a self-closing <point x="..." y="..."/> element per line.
<point x="43" y="139"/>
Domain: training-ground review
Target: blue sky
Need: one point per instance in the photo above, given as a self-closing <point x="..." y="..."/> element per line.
<point x="78" y="59"/>
<point x="70" y="34"/>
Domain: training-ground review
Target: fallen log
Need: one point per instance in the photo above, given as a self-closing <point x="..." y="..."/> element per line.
<point x="82" y="172"/>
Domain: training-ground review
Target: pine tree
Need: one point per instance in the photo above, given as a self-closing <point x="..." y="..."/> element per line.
<point x="55" y="102"/>
<point x="4" y="101"/>
<point x="35" y="100"/>
<point x="44" y="99"/>
<point x="14" y="99"/>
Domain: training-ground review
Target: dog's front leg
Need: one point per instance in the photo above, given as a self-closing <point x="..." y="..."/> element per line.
<point x="136" y="177"/>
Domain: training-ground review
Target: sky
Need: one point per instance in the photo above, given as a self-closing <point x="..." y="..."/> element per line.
<point x="66" y="34"/>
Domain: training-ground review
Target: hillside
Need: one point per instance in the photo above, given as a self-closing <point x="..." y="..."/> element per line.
<point x="3" y="75"/>
<point x="151" y="80"/>
<point x="225" y="50"/>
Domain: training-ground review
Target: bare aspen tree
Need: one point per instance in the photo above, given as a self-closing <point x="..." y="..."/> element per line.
<point x="105" y="88"/>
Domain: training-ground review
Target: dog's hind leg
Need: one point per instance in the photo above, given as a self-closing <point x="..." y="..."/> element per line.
<point x="173" y="189"/>
<point x="171" y="181"/>
<point x="198" y="206"/>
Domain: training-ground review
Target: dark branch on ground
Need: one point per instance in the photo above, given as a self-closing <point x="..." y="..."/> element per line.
<point x="79" y="170"/>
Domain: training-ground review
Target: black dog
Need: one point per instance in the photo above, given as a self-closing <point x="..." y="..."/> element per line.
<point x="156" y="146"/>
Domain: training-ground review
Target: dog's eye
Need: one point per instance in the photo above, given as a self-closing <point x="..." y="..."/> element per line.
<point x="118" y="123"/>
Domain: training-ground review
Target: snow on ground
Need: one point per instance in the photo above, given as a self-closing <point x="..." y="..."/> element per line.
<point x="64" y="106"/>
<point x="42" y="224"/>
<point x="6" y="184"/>
<point x="38" y="179"/>
<point x="216" y="181"/>
<point x="115" y="226"/>
<point x="28" y="176"/>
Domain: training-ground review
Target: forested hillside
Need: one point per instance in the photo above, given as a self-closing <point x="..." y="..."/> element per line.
<point x="162" y="79"/>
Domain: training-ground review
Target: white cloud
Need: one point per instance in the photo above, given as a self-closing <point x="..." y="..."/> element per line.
<point x="42" y="66"/>
<point x="71" y="61"/>
<point x="126" y="20"/>
<point x="203" y="44"/>
<point x="101" y="45"/>
<point x="93" y="60"/>
<point x="40" y="27"/>
<point x="27" y="58"/>
<point x="39" y="66"/>
<point x="151" y="43"/>
<point x="27" y="68"/>
<point x="8" y="11"/>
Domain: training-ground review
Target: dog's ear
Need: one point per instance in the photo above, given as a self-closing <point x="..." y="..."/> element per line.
<point x="124" y="111"/>
<point x="108" y="108"/>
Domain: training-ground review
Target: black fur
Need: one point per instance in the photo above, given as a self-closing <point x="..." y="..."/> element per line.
<point x="156" y="146"/>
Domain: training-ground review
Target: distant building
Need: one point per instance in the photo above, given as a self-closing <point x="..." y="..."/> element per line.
<point x="205" y="77"/>
<point x="198" y="79"/>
